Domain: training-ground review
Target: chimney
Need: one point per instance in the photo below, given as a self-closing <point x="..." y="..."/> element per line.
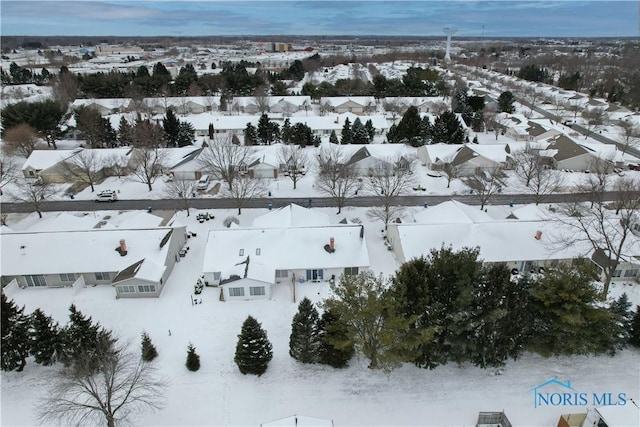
<point x="331" y="244"/>
<point x="122" y="249"/>
<point x="538" y="235"/>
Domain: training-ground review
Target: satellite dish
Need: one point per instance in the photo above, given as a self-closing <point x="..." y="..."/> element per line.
<point x="448" y="30"/>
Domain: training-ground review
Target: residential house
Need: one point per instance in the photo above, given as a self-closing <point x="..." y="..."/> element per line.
<point x="247" y="262"/>
<point x="103" y="105"/>
<point x="538" y="132"/>
<point x="137" y="262"/>
<point x="46" y="165"/>
<point x="466" y="159"/>
<point x="564" y="153"/>
<point x="366" y="158"/>
<point x="625" y="271"/>
<point x="352" y="104"/>
<point x="523" y="245"/>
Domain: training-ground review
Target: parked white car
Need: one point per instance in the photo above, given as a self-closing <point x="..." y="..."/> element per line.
<point x="106" y="196"/>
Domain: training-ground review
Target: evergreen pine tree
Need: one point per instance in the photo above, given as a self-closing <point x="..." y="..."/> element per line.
<point x="333" y="331"/>
<point x="253" y="351"/>
<point x="333" y="138"/>
<point x="125" y="132"/>
<point x="634" y="334"/>
<point x="186" y="134"/>
<point x="505" y="102"/>
<point x="621" y="321"/>
<point x="392" y="135"/>
<point x="475" y="139"/>
<point x="371" y="131"/>
<point x="304" y="339"/>
<point x="567" y="317"/>
<point x="500" y="317"/>
<point x="14" y="345"/>
<point x="286" y="131"/>
<point x="149" y="351"/>
<point x="409" y="126"/>
<point x="193" y="360"/>
<point x="359" y="134"/>
<point x="447" y="129"/>
<point x="171" y="126"/>
<point x="211" y="131"/>
<point x="45" y="338"/>
<point x="250" y="135"/>
<point x="81" y="337"/>
<point x="345" y="137"/>
<point x="264" y="130"/>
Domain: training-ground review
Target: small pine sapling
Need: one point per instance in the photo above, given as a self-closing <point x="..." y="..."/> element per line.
<point x="149" y="351"/>
<point x="193" y="360"/>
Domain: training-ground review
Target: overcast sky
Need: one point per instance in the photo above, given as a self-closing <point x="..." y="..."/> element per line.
<point x="390" y="17"/>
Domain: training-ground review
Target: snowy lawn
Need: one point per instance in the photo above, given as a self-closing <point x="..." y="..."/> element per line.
<point x="219" y="395"/>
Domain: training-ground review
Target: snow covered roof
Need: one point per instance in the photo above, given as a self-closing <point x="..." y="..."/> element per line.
<point x="85" y="251"/>
<point x="291" y="248"/>
<point x="530" y="212"/>
<point x="441" y="152"/>
<point x="299" y="421"/>
<point x="107" y="103"/>
<point x="178" y="155"/>
<point x="292" y="216"/>
<point x="495" y="152"/>
<point x="336" y="101"/>
<point x="202" y="121"/>
<point x="499" y="241"/>
<point x="451" y="212"/>
<point x="43" y="159"/>
<point x="619" y="416"/>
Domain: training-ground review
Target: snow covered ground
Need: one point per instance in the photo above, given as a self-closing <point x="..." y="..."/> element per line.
<point x="219" y="395"/>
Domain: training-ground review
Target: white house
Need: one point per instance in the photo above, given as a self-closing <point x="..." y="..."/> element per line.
<point x="137" y="262"/>
<point x="349" y="104"/>
<point x="524" y="245"/>
<point x="246" y="263"/>
<point x="46" y="164"/>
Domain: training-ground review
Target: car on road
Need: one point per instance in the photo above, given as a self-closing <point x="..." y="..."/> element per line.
<point x="106" y="196"/>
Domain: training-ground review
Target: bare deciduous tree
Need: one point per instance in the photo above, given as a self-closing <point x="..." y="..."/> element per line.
<point x="295" y="160"/>
<point x="485" y="185"/>
<point x="335" y="176"/>
<point x="222" y="159"/>
<point x="598" y="227"/>
<point x="594" y="117"/>
<point x="122" y="386"/>
<point x="544" y="182"/>
<point x="262" y="103"/>
<point x="8" y="171"/>
<point x="183" y="189"/>
<point x="629" y="135"/>
<point x="20" y="140"/>
<point x="388" y="180"/>
<point x="85" y="167"/>
<point x="245" y="188"/>
<point x="147" y="164"/>
<point x="33" y="193"/>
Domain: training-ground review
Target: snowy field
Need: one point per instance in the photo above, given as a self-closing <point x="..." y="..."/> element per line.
<point x="219" y="395"/>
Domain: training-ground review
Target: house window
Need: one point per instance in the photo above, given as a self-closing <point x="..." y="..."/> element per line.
<point x="36" y="280"/>
<point x="631" y="273"/>
<point x="236" y="292"/>
<point x="315" y="274"/>
<point x="257" y="251"/>
<point x="103" y="276"/>
<point x="146" y="288"/>
<point x="126" y="289"/>
<point x="282" y="274"/>
<point x="617" y="273"/>
<point x="256" y="290"/>
<point x="351" y="271"/>
<point x="69" y="277"/>
<point x="241" y="253"/>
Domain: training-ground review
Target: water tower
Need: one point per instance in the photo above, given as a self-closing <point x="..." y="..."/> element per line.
<point x="449" y="30"/>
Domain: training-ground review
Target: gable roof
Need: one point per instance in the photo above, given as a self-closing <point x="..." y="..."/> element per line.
<point x="449" y="212"/>
<point x="292" y="216"/>
<point x="293" y="248"/>
<point x="30" y="253"/>
<point x="44" y="159"/>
